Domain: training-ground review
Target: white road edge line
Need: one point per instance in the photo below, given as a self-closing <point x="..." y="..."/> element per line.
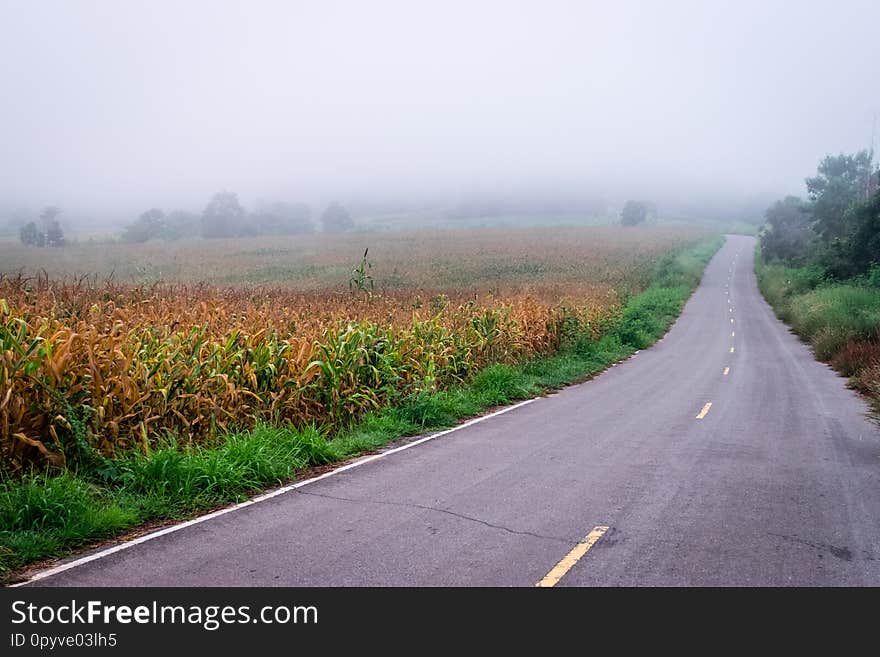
<point x="260" y="498"/>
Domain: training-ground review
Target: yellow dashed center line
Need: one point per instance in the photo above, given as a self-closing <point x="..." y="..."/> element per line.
<point x="570" y="559"/>
<point x="704" y="411"/>
<point x="731" y="350"/>
<point x="726" y="371"/>
<point x="732" y="333"/>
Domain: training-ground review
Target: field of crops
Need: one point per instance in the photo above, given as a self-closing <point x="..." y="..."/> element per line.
<point x="182" y="341"/>
<point x="432" y="259"/>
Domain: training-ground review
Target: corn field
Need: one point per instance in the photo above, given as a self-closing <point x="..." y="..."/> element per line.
<point x="112" y="367"/>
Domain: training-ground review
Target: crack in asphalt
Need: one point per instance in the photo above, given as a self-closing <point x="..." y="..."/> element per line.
<point x="566" y="541"/>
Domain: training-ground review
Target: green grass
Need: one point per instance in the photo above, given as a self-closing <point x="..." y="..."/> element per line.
<point x="45" y="516"/>
<point x="826" y="314"/>
<point x="779" y="283"/>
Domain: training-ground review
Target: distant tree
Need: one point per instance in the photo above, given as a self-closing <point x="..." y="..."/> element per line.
<point x="633" y="213"/>
<point x="49" y="233"/>
<point x="336" y="219"/>
<point x="180" y="224"/>
<point x="281" y="218"/>
<point x="223" y="216"/>
<point x="31" y="235"/>
<point x="54" y="234"/>
<point x="788" y="234"/>
<point x="149" y="225"/>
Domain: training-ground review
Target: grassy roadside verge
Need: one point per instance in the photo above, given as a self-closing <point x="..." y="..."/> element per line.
<point x="49" y="515"/>
<point x="840" y="320"/>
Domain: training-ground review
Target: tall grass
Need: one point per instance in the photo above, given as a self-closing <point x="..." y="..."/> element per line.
<point x="833" y="316"/>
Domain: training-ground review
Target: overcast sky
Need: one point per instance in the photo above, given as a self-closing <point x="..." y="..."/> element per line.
<point x="121" y="103"/>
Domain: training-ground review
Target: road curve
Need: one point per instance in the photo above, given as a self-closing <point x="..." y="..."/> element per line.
<point x="777" y="482"/>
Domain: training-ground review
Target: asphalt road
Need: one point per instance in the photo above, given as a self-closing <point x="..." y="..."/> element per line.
<point x="777" y="483"/>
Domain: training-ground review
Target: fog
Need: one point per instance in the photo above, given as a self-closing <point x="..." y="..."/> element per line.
<point x="112" y="107"/>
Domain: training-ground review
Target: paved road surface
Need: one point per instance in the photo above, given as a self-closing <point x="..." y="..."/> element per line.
<point x="777" y="483"/>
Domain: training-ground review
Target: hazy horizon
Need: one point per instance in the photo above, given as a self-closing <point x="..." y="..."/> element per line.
<point x="116" y="107"/>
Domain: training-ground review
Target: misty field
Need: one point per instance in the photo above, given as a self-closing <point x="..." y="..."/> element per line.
<point x="285" y="331"/>
<point x="430" y="259"/>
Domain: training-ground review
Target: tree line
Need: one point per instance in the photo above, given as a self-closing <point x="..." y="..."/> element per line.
<point x="837" y="226"/>
<point x="224" y="216"/>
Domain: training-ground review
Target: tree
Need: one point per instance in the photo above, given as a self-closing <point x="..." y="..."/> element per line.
<point x="633" y="213"/>
<point x="840" y="182"/>
<point x="858" y="249"/>
<point x="788" y="232"/>
<point x="48" y="233"/>
<point x="223" y="216"/>
<point x="149" y="225"/>
<point x="865" y="251"/>
<point x="54" y="236"/>
<point x="30" y="235"/>
<point x="336" y="219"/>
